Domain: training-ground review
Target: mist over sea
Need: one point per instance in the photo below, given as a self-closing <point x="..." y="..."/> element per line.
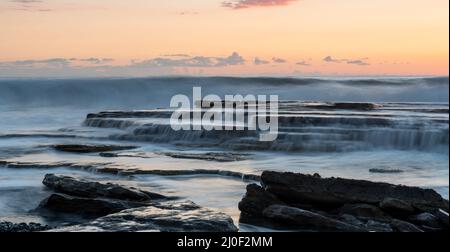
<point x="151" y="92"/>
<point x="405" y="138"/>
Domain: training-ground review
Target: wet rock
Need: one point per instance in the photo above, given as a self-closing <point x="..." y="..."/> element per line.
<point x="131" y="114"/>
<point x="307" y="219"/>
<point x="403" y="226"/>
<point x="346" y="105"/>
<point x="364" y="205"/>
<point x="86" y="148"/>
<point x="350" y="219"/>
<point x="108" y="154"/>
<point x="109" y="170"/>
<point x="363" y="211"/>
<point x="396" y="206"/>
<point x="420" y="208"/>
<point x="355" y="105"/>
<point x="256" y="200"/>
<point x="385" y="171"/>
<point x="443" y="217"/>
<point x="431" y="229"/>
<point x="106" y="168"/>
<point x="295" y="188"/>
<point x="9" y="227"/>
<point x="163" y="217"/>
<point x="377" y="226"/>
<point x="209" y="156"/>
<point x="426" y="219"/>
<point x="226" y="173"/>
<point x="84" y="206"/>
<point x="89" y="189"/>
<point x="133" y="154"/>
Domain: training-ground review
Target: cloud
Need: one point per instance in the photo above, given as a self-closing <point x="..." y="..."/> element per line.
<point x="86" y="67"/>
<point x="177" y="55"/>
<point x="278" y="60"/>
<point x="359" y="62"/>
<point x="29" y="5"/>
<point x="97" y="61"/>
<point x="302" y="63"/>
<point x="244" y="4"/>
<point x="197" y="61"/>
<point x="331" y="59"/>
<point x="234" y="59"/>
<point x="259" y="61"/>
<point x="53" y="62"/>
<point x="101" y="63"/>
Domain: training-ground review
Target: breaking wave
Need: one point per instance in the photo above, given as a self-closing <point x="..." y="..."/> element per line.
<point x="156" y="92"/>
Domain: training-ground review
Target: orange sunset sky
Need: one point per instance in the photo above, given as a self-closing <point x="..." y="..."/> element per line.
<point x="98" y="38"/>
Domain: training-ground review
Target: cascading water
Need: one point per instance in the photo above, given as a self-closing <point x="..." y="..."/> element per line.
<point x="387" y="126"/>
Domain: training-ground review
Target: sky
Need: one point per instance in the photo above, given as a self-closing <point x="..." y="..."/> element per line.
<point x="113" y="38"/>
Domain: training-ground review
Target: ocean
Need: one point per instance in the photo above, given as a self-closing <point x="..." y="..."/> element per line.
<point x="399" y="136"/>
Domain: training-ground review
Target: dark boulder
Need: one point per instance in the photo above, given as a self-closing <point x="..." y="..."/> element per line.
<point x="161" y="217"/>
<point x="426" y="219"/>
<point x="256" y="200"/>
<point x="396" y="206"/>
<point x="403" y="226"/>
<point x="363" y="211"/>
<point x="295" y="188"/>
<point x="310" y="202"/>
<point x="350" y="219"/>
<point x="307" y="219"/>
<point x="89" y="189"/>
<point x="85" y="206"/>
<point x="378" y="226"/>
<point x="443" y="217"/>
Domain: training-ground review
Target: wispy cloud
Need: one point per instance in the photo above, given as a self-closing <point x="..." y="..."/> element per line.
<point x="331" y="59"/>
<point x="97" y="61"/>
<point x="54" y="62"/>
<point x="244" y="4"/>
<point x="302" y="63"/>
<point x="182" y="55"/>
<point x="259" y="61"/>
<point x="278" y="60"/>
<point x="47" y="6"/>
<point x="175" y="60"/>
<point x="100" y="66"/>
<point x="197" y="61"/>
<point x="359" y="62"/>
<point x="29" y="5"/>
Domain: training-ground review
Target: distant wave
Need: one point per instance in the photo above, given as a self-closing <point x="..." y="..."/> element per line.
<point x="344" y="81"/>
<point x="151" y="92"/>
